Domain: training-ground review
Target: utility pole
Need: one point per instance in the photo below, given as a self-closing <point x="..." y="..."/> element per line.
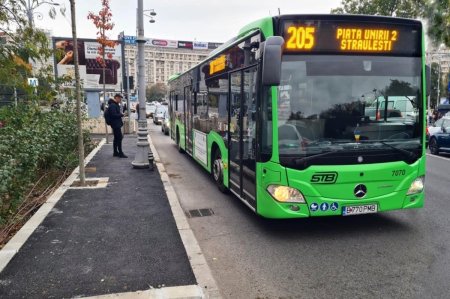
<point x="438" y="83"/>
<point x="143" y="152"/>
<point x="78" y="94"/>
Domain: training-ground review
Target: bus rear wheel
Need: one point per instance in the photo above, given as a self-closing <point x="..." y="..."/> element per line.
<point x="217" y="170"/>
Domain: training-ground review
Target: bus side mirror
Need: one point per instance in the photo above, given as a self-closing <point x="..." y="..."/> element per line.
<point x="428" y="79"/>
<point x="271" y="65"/>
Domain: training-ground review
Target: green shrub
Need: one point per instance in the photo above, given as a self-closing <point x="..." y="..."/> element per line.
<point x="31" y="143"/>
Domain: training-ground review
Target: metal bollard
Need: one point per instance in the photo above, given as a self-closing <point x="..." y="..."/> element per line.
<point x="150" y="160"/>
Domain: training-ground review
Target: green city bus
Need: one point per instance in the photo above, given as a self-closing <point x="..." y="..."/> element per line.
<point x="282" y="115"/>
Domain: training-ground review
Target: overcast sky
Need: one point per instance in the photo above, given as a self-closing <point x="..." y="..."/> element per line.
<point x="201" y="20"/>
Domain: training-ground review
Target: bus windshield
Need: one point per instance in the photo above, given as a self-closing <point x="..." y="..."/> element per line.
<point x="349" y="103"/>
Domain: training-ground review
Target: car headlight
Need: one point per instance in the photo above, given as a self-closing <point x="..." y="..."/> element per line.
<point x="285" y="194"/>
<point x="416" y="186"/>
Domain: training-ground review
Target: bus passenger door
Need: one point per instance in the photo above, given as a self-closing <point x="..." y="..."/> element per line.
<point x="242" y="135"/>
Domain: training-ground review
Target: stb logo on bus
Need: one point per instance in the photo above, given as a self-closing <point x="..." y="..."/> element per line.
<point x="324" y="178"/>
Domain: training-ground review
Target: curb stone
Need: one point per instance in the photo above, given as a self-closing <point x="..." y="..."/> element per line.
<point x="197" y="260"/>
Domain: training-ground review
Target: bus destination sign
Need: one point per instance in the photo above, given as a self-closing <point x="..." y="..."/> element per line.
<point x="343" y="37"/>
<point x="357" y="39"/>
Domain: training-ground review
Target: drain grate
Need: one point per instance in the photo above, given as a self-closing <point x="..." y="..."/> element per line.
<point x="199" y="213"/>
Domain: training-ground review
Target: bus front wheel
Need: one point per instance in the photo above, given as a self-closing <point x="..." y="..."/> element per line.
<point x="217" y="170"/>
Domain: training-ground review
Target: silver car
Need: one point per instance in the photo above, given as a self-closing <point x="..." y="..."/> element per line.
<point x="165" y="127"/>
<point x="159" y="114"/>
<point x="150" y="109"/>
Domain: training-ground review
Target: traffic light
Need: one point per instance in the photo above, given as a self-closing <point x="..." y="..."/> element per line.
<point x="125" y="82"/>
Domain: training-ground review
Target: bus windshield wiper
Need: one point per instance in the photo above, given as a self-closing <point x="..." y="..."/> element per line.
<point x="307" y="158"/>
<point x="407" y="153"/>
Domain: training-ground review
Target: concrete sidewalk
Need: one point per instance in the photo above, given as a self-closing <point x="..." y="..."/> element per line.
<point x="122" y="238"/>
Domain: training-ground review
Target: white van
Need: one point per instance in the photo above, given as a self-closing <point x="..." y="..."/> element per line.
<point x="399" y="104"/>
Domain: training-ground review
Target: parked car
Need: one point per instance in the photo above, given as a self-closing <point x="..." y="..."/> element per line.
<point x="432" y="129"/>
<point x="443" y="109"/>
<point x="165" y="126"/>
<point x="159" y="114"/>
<point x="150" y="109"/>
<point x="440" y="141"/>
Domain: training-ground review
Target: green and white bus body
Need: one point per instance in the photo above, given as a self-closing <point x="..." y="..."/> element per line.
<point x="278" y="115"/>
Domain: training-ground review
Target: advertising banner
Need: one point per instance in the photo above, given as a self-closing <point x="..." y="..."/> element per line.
<point x="185" y="45"/>
<point x="91" y="70"/>
<point x="212" y="46"/>
<point x="165" y="43"/>
<point x="200" y="46"/>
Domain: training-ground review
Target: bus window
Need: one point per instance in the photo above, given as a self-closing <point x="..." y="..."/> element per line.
<point x="217" y="104"/>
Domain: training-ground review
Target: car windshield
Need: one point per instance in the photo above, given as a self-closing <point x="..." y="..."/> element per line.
<point x="330" y="103"/>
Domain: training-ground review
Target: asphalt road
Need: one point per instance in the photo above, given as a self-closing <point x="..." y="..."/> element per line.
<point x="399" y="254"/>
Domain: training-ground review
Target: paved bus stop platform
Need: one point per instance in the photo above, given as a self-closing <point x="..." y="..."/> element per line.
<point x="96" y="241"/>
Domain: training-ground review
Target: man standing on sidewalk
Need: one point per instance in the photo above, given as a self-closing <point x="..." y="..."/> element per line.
<point x="116" y="123"/>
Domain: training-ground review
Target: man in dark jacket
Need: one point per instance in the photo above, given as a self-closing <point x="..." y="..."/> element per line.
<point x="116" y="124"/>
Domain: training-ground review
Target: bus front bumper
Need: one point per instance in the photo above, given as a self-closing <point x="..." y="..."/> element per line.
<point x="321" y="206"/>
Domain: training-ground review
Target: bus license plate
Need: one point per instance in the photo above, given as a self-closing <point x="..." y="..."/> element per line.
<point x="358" y="210"/>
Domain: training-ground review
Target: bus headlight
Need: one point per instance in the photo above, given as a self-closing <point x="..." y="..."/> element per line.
<point x="285" y="194"/>
<point x="416" y="186"/>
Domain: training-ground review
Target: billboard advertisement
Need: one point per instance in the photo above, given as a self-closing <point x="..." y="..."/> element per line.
<point x="185" y="45"/>
<point x="200" y="45"/>
<point x="165" y="43"/>
<point x="91" y="70"/>
<point x="212" y="46"/>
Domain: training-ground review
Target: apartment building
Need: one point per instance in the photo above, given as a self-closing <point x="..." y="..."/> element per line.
<point x="164" y="58"/>
<point x="442" y="57"/>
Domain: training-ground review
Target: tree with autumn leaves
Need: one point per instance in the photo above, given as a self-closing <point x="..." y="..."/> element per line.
<point x="103" y="22"/>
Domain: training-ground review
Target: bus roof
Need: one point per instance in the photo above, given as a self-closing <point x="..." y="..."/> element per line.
<point x="264" y="24"/>
<point x="174" y="76"/>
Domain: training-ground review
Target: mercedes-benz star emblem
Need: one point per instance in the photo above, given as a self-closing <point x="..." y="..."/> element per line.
<point x="360" y="191"/>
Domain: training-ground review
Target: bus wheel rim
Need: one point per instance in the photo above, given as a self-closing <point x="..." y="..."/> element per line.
<point x="217" y="168"/>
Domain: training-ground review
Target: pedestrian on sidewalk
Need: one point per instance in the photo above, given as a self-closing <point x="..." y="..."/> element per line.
<point x="116" y="124"/>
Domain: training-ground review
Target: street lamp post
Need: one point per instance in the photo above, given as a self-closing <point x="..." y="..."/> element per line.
<point x="439" y="83"/>
<point x="31" y="5"/>
<point x="143" y="152"/>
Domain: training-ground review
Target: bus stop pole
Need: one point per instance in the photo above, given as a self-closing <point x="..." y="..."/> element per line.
<point x="143" y="151"/>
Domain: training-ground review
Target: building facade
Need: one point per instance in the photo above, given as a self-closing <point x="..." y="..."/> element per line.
<point x="164" y="58"/>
